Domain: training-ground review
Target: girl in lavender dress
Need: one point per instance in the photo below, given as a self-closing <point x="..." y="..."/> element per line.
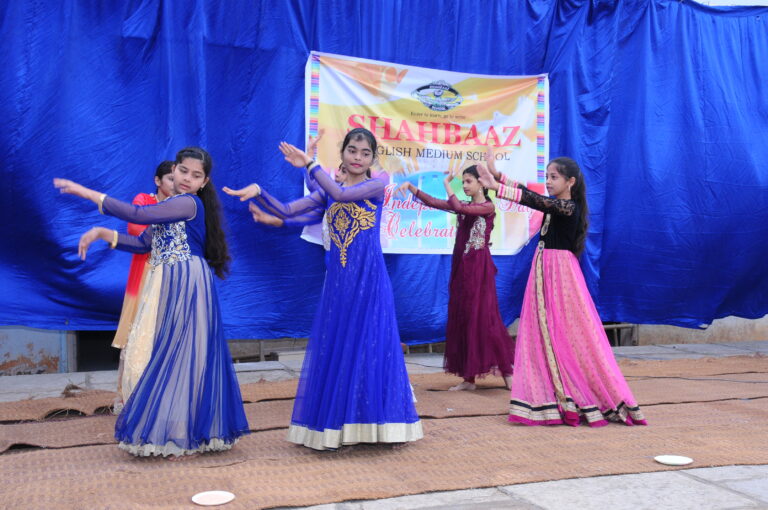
<point x="187" y="400"/>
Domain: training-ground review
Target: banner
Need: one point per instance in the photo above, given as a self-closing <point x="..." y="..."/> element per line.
<point x="427" y="122"/>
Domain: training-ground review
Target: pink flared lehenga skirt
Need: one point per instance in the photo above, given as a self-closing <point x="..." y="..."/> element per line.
<point x="565" y="370"/>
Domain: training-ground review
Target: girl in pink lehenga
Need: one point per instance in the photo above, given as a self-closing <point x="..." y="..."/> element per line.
<point x="476" y="340"/>
<point x="564" y="366"/>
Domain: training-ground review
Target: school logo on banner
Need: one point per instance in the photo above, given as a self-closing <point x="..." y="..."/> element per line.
<point x="426" y="122"/>
<point x="438" y="96"/>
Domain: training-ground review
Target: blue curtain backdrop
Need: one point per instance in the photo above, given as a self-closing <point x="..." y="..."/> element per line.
<point x="664" y="104"/>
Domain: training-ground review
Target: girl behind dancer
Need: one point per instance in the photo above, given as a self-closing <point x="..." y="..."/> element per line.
<point x="476" y="340"/>
<point x="187" y="401"/>
<point x="564" y="367"/>
<point x="136" y="274"/>
<point x="354" y="387"/>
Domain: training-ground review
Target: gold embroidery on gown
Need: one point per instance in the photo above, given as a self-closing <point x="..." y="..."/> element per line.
<point x="345" y="221"/>
<point x="476" y="239"/>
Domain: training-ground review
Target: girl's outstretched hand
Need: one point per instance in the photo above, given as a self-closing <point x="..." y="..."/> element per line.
<point x="247" y="193"/>
<point x="260" y="216"/>
<point x="406" y="186"/>
<point x="312" y="145"/>
<point x="73" y="188"/>
<point x="89" y="237"/>
<point x="492" y="164"/>
<point x="486" y="178"/>
<point x="449" y="175"/>
<point x="294" y="155"/>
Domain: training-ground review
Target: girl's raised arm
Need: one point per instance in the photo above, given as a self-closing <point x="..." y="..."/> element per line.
<point x="372" y="188"/>
<point x="125" y="242"/>
<point x="453" y="204"/>
<point x="435" y="203"/>
<point x="308" y="217"/>
<point x="313" y="202"/>
<point x="490" y="157"/>
<point x="135" y="244"/>
<point x="178" y="208"/>
<point x="312" y="153"/>
<point x="541" y="203"/>
<point x="470" y="209"/>
<point x="516" y="192"/>
<point x="528" y="198"/>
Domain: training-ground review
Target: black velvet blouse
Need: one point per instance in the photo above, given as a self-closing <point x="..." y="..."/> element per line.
<point x="561" y="233"/>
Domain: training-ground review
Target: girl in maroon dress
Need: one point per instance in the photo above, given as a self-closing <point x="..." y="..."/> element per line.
<point x="476" y="340"/>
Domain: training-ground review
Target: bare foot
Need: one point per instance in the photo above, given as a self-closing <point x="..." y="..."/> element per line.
<point x="508" y="382"/>
<point x="463" y="386"/>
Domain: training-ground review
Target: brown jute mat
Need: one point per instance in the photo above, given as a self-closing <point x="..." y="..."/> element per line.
<point x="434" y="401"/>
<point x="85" y="402"/>
<point x="96" y="430"/>
<point x="694" y="367"/>
<point x="89" y="402"/>
<point x="263" y="470"/>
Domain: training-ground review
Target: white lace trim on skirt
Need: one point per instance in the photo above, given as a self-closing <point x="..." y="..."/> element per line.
<point x="353" y="433"/>
<point x="170" y="448"/>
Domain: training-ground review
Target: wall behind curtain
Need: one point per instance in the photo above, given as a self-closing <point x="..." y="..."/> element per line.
<point x="664" y="104"/>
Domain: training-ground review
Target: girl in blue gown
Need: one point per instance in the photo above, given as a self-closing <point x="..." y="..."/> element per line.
<point x="354" y="387"/>
<point x="188" y="400"/>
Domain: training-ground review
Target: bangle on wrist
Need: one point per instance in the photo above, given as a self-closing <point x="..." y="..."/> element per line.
<point x="311" y="165"/>
<point x="101" y="202"/>
<point x="113" y="242"/>
<point x="503" y="192"/>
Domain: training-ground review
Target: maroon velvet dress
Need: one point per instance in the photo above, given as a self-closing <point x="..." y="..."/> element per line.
<point x="476" y="340"/>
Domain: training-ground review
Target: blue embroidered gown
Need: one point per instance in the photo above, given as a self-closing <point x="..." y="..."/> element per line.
<point x="188" y="399"/>
<point x="354" y="387"/>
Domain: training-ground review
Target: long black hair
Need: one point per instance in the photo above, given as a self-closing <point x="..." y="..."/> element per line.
<point x="216" y="250"/>
<point x="569" y="168"/>
<point x="472" y="170"/>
